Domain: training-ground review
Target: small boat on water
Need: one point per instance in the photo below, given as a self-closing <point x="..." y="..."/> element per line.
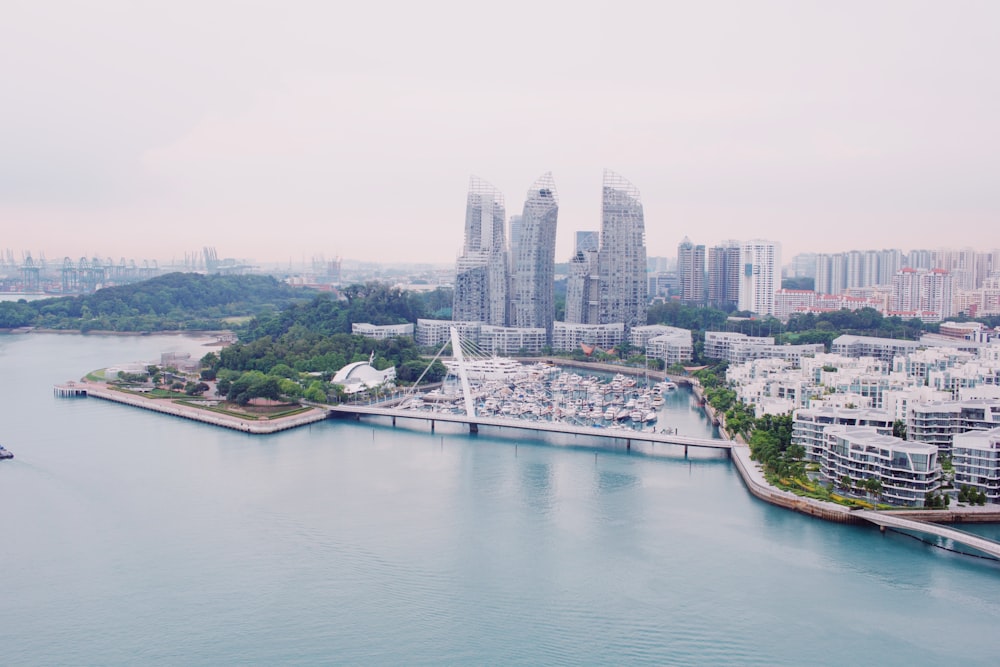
<point x="5" y="453"/>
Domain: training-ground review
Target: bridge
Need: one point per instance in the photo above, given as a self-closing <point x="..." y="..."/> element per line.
<point x="886" y="520"/>
<point x="474" y="422"/>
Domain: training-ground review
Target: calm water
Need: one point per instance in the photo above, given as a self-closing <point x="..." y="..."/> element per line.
<point x="134" y="538"/>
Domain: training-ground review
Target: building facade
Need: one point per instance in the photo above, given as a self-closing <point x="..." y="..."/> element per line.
<point x="622" y="258"/>
<point x="533" y="286"/>
<point x="481" y="274"/>
<point x="691" y="272"/>
<point x="724" y="274"/>
<point x="760" y="277"/>
<point x="908" y="471"/>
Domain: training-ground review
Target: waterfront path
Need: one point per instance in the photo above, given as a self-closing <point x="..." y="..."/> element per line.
<point x="887" y="520"/>
<point x="551" y="427"/>
<point x="169" y="407"/>
<point x="758" y="485"/>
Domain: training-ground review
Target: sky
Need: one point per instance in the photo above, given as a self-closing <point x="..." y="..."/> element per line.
<point x="287" y="130"/>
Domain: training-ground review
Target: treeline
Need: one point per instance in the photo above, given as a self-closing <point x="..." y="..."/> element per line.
<point x="296" y="352"/>
<point x="175" y="301"/>
<point x="372" y="302"/>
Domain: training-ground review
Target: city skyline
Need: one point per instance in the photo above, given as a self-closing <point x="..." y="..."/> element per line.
<point x="273" y="132"/>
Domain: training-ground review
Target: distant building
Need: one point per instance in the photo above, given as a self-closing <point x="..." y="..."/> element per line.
<point x="870" y="346"/>
<point x="724" y="274"/>
<point x="569" y="335"/>
<point x="691" y="272"/>
<point x="622" y="257"/>
<point x="533" y="291"/>
<point x="382" y="331"/>
<point x="583" y="291"/>
<point x="587" y="242"/>
<point x="760" y="277"/>
<point x="512" y="340"/>
<point x="435" y="333"/>
<point x="481" y="272"/>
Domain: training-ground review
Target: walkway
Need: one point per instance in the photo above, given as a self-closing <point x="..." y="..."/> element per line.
<point x="551" y="427"/>
<point x="887" y="520"/>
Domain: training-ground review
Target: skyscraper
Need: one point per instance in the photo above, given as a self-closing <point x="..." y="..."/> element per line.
<point x="691" y="272"/>
<point x="481" y="272"/>
<point x="724" y="274"/>
<point x="587" y="241"/>
<point x="760" y="277"/>
<point x="583" y="289"/>
<point x="533" y="293"/>
<point x="622" y="258"/>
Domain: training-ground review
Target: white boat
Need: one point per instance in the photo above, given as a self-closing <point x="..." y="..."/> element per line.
<point x="649" y="416"/>
<point x="5" y="453"/>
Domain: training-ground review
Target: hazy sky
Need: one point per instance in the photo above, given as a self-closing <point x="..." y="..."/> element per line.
<point x="277" y="130"/>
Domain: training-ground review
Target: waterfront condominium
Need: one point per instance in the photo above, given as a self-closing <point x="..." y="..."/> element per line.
<point x="622" y="257"/>
<point x="760" y="276"/>
<point x="533" y="287"/>
<point x="481" y="272"/>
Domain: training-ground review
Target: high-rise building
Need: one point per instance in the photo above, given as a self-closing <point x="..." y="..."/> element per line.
<point x="587" y="241"/>
<point x="923" y="291"/>
<point x="936" y="288"/>
<point x="583" y="295"/>
<point x="533" y="287"/>
<point x="803" y="265"/>
<point x="760" y="277"/>
<point x="622" y="258"/>
<point x="724" y="274"/>
<point x="481" y="273"/>
<point x="691" y="272"/>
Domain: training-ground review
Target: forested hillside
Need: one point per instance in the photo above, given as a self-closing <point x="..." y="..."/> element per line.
<point x="176" y="301"/>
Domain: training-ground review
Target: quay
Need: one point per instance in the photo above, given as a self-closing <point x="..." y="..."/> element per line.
<point x="244" y="424"/>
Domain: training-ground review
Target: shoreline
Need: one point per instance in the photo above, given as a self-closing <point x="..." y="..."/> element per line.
<point x="167" y="406"/>
<point x="101" y="332"/>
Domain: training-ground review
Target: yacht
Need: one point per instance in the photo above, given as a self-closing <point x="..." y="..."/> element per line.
<point x="5" y="453"/>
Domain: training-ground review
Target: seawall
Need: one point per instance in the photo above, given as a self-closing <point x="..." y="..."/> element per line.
<point x="758" y="486"/>
<point x="256" y="427"/>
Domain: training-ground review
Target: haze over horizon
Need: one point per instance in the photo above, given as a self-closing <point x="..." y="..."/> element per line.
<point x="275" y="131"/>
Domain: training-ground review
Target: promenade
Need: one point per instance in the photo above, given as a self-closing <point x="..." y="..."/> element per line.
<point x="169" y="407"/>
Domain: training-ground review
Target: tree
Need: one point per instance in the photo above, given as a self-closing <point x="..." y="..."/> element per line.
<point x="899" y="429"/>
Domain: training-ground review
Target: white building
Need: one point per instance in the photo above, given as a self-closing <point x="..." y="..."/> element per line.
<point x="673" y="347"/>
<point x="907" y="470"/>
<point x="760" y="276"/>
<point x="435" y="333"/>
<point x="809" y="425"/>
<point x="870" y="346"/>
<point x="383" y="331"/>
<point x="569" y="335"/>
<point x="511" y="340"/>
<point x="361" y="375"/>
<point x="938" y="423"/>
<point x="976" y="458"/>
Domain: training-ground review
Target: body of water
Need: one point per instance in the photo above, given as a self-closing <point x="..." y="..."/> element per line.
<point x="130" y="537"/>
